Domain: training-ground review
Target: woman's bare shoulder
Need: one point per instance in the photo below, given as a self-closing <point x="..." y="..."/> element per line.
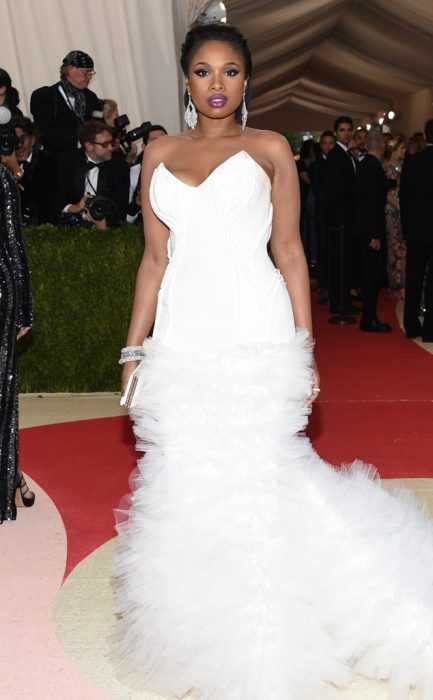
<point x="275" y="143"/>
<point x="162" y="148"/>
<point x="271" y="149"/>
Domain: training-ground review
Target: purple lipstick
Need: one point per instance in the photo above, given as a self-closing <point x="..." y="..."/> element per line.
<point x="217" y="100"/>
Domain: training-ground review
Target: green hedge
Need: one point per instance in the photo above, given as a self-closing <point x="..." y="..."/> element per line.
<point x="83" y="286"/>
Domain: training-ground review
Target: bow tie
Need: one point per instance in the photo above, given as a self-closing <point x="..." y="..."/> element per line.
<point x="90" y="165"/>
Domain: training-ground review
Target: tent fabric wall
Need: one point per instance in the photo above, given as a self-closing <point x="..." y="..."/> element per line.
<point x="315" y="59"/>
<point x="134" y="44"/>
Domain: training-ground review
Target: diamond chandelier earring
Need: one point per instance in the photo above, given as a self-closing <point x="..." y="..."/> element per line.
<point x="244" y="112"/>
<point x="190" y="115"/>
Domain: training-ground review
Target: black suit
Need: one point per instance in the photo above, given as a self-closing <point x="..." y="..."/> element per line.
<point x="341" y="197"/>
<point x="416" y="207"/>
<point x="318" y="183"/>
<point x="56" y="121"/>
<point x="37" y="189"/>
<point x="113" y="181"/>
<point x="371" y="190"/>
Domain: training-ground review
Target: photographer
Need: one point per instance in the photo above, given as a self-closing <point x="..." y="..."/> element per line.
<point x="154" y="131"/>
<point x="93" y="187"/>
<point x="33" y="170"/>
<point x="110" y="113"/>
<point x="59" y="109"/>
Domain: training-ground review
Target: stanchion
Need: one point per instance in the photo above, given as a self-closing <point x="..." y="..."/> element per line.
<point x="341" y="319"/>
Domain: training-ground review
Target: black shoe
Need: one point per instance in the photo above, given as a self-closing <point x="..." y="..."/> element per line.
<point x="23" y="495"/>
<point x="375" y="326"/>
<point x="348" y="310"/>
<point x="427" y="339"/>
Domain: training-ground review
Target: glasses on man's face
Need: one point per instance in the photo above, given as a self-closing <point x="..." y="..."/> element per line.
<point x="104" y="144"/>
<point x="87" y="72"/>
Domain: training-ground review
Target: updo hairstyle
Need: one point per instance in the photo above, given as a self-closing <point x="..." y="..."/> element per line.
<point x="202" y="33"/>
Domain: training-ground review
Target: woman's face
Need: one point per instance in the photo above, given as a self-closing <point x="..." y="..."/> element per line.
<point x="216" y="79"/>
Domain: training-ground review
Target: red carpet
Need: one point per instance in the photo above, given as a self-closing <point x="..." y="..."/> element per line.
<point x="84" y="467"/>
<point x="376" y="402"/>
<point x="376" y="405"/>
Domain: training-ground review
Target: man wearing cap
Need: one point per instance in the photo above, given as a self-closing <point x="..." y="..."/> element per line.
<point x="60" y="109"/>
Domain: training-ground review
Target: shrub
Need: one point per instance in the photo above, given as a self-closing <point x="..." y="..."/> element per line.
<point x="83" y="284"/>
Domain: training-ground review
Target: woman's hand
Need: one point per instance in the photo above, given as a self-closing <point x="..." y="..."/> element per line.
<point x="80" y="206"/>
<point x="128" y="369"/>
<point x="132" y="155"/>
<point x="11" y="162"/>
<point x="22" y="331"/>
<point x="316" y="383"/>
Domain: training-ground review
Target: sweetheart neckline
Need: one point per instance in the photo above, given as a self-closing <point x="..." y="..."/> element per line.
<point x="218" y="167"/>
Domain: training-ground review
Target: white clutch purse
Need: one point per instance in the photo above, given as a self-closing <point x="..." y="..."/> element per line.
<point x="133" y="388"/>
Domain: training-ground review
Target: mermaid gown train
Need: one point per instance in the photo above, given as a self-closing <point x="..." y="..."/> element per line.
<point x="247" y="568"/>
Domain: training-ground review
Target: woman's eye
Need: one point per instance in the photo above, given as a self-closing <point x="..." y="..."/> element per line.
<point x="203" y="72"/>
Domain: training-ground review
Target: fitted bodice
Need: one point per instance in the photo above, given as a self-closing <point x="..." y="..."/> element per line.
<point x="220" y="287"/>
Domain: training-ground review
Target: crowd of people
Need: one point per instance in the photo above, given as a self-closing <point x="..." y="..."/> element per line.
<point x="75" y="163"/>
<point x="367" y="222"/>
<point x="365" y="217"/>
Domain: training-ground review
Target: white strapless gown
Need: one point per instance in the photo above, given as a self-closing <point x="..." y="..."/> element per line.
<point x="247" y="568"/>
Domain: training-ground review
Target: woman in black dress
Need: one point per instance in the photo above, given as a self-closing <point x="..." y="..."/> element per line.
<point x="16" y="318"/>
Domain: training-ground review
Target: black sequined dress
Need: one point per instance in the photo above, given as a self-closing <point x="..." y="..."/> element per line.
<point x="15" y="311"/>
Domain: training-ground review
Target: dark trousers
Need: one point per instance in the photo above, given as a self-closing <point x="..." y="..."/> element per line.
<point x="372" y="266"/>
<point x="322" y="253"/>
<point x="355" y="262"/>
<point x="339" y="269"/>
<point x="419" y="257"/>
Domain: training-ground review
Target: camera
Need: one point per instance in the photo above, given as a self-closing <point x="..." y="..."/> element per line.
<point x="125" y="137"/>
<point x="8" y="140"/>
<point x="100" y="206"/>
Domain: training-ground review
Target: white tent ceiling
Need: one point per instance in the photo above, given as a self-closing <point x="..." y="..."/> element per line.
<point x="315" y="59"/>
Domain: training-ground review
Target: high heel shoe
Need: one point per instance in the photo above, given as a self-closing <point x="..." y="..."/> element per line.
<point x="23" y="496"/>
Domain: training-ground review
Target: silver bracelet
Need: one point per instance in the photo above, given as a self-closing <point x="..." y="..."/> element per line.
<point x="131" y="353"/>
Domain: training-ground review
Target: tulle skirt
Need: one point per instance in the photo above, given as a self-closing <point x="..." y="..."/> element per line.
<point x="249" y="569"/>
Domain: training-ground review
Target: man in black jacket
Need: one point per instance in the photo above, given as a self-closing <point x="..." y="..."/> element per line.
<point x="340" y="195"/>
<point x="59" y="109"/>
<point x="318" y="183"/>
<point x="34" y="171"/>
<point x="371" y="190"/>
<point x="416" y="207"/>
<point x="90" y="173"/>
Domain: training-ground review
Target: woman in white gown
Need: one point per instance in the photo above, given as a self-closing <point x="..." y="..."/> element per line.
<point x="247" y="568"/>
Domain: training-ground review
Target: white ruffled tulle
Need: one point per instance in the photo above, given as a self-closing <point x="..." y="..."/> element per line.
<point x="247" y="568"/>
